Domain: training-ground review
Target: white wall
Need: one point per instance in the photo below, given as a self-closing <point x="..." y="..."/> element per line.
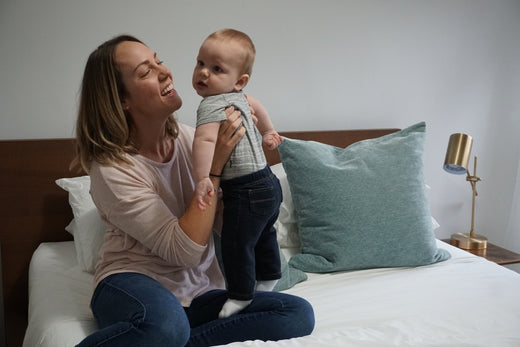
<point x="320" y="65"/>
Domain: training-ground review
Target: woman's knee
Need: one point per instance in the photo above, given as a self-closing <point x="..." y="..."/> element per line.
<point x="294" y="313"/>
<point x="165" y="323"/>
<point x="305" y="316"/>
<point x="151" y="312"/>
<point x="168" y="333"/>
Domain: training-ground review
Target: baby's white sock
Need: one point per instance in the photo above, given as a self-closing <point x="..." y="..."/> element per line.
<point x="266" y="286"/>
<point x="233" y="306"/>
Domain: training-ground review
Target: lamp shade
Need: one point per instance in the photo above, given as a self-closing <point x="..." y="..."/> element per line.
<point x="457" y="154"/>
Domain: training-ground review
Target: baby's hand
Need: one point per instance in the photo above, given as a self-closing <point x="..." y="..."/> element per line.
<point x="204" y="190"/>
<point x="272" y="140"/>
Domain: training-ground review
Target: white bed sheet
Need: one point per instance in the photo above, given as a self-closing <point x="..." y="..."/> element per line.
<point x="465" y="301"/>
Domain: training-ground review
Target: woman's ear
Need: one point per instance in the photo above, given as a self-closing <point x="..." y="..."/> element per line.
<point x="125" y="105"/>
<point x="242" y="82"/>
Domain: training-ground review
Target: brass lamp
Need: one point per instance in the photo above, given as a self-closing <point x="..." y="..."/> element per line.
<point x="456" y="162"/>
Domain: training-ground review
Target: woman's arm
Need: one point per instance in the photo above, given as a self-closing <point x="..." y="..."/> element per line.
<point x="198" y="224"/>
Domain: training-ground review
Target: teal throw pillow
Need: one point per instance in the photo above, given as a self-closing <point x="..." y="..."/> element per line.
<point x="363" y="206"/>
<point x="290" y="275"/>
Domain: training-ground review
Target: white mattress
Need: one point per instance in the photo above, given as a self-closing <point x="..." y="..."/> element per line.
<point x="465" y="301"/>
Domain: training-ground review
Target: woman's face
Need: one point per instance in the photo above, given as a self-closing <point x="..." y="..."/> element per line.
<point x="149" y="84"/>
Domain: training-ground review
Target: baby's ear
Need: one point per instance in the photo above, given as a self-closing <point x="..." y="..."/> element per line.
<point x="242" y="82"/>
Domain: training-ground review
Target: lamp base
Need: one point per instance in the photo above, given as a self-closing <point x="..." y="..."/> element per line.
<point x="466" y="241"/>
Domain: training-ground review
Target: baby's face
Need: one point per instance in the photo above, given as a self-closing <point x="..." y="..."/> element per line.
<point x="218" y="67"/>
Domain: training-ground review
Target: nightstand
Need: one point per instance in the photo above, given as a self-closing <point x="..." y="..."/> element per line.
<point x="495" y="254"/>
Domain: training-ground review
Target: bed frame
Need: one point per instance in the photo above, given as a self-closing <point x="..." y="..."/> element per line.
<point x="33" y="209"/>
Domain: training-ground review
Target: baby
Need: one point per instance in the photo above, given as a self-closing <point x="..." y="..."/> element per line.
<point x="251" y="192"/>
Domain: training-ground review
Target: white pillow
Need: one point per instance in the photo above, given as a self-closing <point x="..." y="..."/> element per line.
<point x="286" y="227"/>
<point x="87" y="227"/>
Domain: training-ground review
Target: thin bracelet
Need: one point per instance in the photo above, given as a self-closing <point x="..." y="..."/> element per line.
<point x="213" y="175"/>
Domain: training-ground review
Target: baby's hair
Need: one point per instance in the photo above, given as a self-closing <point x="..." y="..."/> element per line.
<point x="244" y="40"/>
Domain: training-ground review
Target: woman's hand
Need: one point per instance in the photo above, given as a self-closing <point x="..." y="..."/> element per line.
<point x="230" y="132"/>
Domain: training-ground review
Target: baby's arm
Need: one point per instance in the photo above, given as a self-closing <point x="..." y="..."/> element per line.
<point x="203" y="149"/>
<point x="270" y="137"/>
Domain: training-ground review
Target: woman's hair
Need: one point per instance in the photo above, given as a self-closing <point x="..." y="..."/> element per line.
<point x="103" y="129"/>
<point x="244" y="40"/>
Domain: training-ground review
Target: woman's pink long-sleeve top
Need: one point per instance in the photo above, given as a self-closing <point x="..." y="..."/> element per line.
<point x="140" y="205"/>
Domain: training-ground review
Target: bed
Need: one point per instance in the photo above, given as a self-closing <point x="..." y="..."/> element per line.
<point x="387" y="294"/>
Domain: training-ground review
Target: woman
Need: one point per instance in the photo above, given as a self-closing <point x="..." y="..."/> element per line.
<point x="158" y="282"/>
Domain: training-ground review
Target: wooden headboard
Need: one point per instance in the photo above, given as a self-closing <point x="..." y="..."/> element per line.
<point x="33" y="209"/>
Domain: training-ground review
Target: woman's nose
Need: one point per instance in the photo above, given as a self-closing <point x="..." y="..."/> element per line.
<point x="164" y="72"/>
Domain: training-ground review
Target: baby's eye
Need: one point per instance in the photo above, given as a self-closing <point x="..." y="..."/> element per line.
<point x="200" y="63"/>
<point x="160" y="62"/>
<point x="217" y="69"/>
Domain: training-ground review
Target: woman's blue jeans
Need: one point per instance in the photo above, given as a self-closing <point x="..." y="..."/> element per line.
<point x="135" y="310"/>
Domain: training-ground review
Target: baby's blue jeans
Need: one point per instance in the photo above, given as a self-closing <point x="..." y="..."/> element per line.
<point x="250" y="251"/>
